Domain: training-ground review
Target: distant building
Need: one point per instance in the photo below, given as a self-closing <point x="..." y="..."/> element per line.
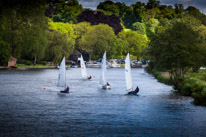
<point x="12" y="62"/>
<point x="74" y="57"/>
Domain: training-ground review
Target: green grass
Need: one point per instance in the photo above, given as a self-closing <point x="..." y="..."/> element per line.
<point x="37" y="65"/>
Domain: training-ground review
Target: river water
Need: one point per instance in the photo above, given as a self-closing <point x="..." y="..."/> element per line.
<point x="30" y="105"/>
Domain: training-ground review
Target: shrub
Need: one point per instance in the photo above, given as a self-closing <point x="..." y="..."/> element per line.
<point x="44" y="63"/>
<point x="200" y="98"/>
<point x="28" y="62"/>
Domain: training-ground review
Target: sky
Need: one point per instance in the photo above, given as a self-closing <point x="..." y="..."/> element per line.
<point x="200" y="4"/>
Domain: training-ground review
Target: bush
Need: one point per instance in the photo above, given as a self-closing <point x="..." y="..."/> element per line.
<point x="195" y="85"/>
<point x="200" y="98"/>
<point x="44" y="63"/>
<point x="28" y="62"/>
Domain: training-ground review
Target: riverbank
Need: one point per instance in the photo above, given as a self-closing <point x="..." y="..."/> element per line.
<point x="23" y="66"/>
<point x="194" y="85"/>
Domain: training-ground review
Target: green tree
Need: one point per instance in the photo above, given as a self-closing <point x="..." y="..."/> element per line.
<point x="80" y="29"/>
<point x="136" y="41"/>
<point x="24" y="25"/>
<point x="67" y="11"/>
<point x="61" y="40"/>
<point x="5" y="48"/>
<point x="141" y="27"/>
<point x="151" y="25"/>
<point x="98" y="39"/>
<point x="175" y="50"/>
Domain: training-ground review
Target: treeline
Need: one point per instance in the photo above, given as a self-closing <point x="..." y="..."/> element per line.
<point x="40" y="30"/>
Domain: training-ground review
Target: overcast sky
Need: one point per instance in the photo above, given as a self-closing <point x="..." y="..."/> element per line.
<point x="200" y="4"/>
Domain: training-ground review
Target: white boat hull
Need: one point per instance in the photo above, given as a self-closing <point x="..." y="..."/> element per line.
<point x="106" y="87"/>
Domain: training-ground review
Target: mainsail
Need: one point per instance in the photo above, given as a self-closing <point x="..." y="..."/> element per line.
<point x="128" y="77"/>
<point x="103" y="80"/>
<point x="62" y="74"/>
<point x="83" y="68"/>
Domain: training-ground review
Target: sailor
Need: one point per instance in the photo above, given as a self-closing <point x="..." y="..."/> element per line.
<point x="108" y="84"/>
<point x="135" y="91"/>
<point x="66" y="90"/>
<point x="89" y="77"/>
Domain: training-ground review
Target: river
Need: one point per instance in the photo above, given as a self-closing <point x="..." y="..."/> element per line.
<point x="30" y="105"/>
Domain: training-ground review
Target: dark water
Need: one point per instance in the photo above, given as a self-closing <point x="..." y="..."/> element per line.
<point x="26" y="109"/>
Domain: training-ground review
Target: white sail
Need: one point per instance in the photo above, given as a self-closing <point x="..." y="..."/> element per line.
<point x="62" y="74"/>
<point x="128" y="77"/>
<point x="103" y="80"/>
<point x="83" y="68"/>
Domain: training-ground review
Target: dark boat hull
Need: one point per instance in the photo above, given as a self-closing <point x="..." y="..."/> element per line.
<point x="132" y="93"/>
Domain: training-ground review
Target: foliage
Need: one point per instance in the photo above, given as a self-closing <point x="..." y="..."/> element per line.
<point x="61" y="40"/>
<point x="135" y="40"/>
<point x="141" y="27"/>
<point x="175" y="50"/>
<point x="64" y="10"/>
<point x="98" y="17"/>
<point x="44" y="62"/>
<point x="195" y="85"/>
<point x="28" y="62"/>
<point x="4" y="52"/>
<point x="24" y="28"/>
<point x="98" y="39"/>
<point x="151" y="26"/>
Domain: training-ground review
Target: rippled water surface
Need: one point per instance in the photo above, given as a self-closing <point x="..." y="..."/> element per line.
<point x="27" y="109"/>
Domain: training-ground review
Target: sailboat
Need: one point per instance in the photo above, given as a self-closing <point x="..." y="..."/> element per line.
<point x="128" y="77"/>
<point x="62" y="77"/>
<point x="83" y="69"/>
<point x="103" y="79"/>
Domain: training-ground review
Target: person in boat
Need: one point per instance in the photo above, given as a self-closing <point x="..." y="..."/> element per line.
<point x="135" y="91"/>
<point x="89" y="77"/>
<point x="108" y="84"/>
<point x="66" y="90"/>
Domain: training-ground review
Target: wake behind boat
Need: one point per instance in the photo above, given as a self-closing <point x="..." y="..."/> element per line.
<point x="62" y="77"/>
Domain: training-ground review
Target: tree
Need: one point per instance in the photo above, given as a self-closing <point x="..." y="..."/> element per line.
<point x="136" y="41"/>
<point x="151" y="26"/>
<point x="139" y="11"/>
<point x="152" y="4"/>
<point x="141" y="27"/>
<point x="5" y="48"/>
<point x="98" y="17"/>
<point x="61" y="40"/>
<point x="179" y="8"/>
<point x="98" y="39"/>
<point x="175" y="50"/>
<point x="24" y="27"/>
<point x="65" y="10"/>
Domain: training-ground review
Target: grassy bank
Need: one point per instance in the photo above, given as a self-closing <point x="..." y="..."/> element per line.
<point x="162" y="77"/>
<point x="194" y="84"/>
<point x="35" y="66"/>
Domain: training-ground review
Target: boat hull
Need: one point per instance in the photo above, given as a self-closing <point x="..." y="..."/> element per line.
<point x="106" y="87"/>
<point x="132" y="93"/>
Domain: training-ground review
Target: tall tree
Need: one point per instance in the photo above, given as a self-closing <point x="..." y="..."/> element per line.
<point x="61" y="40"/>
<point x="135" y="40"/>
<point x="98" y="39"/>
<point x="64" y="10"/>
<point x="98" y="17"/>
<point x="22" y="17"/>
<point x="175" y="50"/>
